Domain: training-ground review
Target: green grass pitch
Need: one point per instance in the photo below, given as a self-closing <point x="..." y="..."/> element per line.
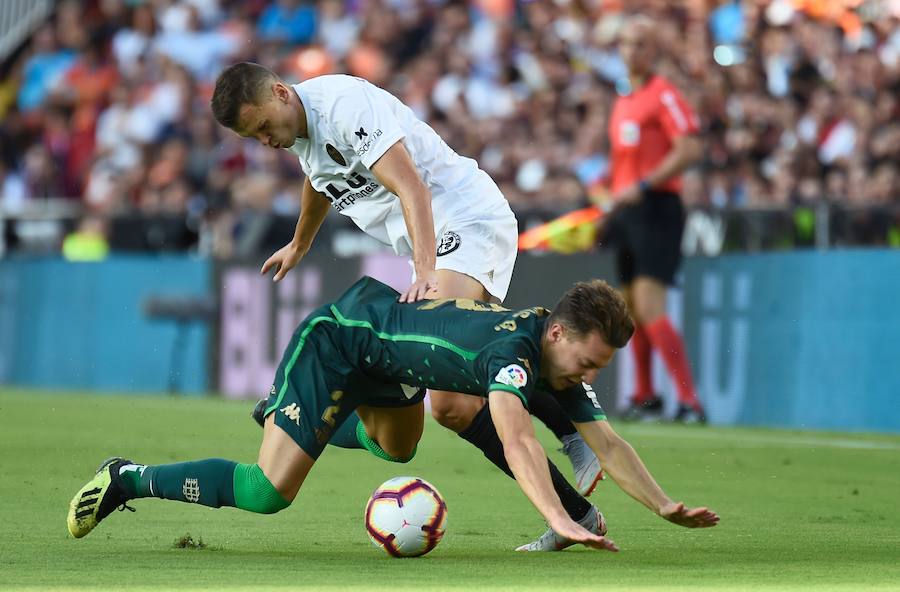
<point x="799" y="510"/>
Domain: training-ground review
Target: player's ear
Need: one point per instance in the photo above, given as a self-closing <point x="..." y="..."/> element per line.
<point x="556" y="332"/>
<point x="280" y="91"/>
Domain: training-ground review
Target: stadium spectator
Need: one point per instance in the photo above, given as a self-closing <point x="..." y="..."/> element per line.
<point x="43" y="69"/>
<point x="287" y="21"/>
<point x="786" y="91"/>
<point x="12" y="189"/>
<point x="88" y="242"/>
<point x="131" y="44"/>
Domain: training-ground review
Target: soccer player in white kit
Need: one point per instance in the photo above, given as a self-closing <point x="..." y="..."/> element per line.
<point x="368" y="156"/>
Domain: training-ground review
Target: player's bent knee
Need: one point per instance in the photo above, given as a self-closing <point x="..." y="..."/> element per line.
<point x="453" y="411"/>
<point x="444" y="415"/>
<point x="403" y="452"/>
<point x="402" y="456"/>
<point x="255" y="493"/>
<point x="394" y="455"/>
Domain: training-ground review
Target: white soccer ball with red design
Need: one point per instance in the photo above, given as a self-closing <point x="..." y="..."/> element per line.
<point x="406" y="516"/>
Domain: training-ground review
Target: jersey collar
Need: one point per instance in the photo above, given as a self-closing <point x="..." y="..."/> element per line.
<point x="312" y="117"/>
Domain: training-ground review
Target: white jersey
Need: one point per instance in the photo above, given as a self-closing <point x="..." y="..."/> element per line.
<point x="351" y="123"/>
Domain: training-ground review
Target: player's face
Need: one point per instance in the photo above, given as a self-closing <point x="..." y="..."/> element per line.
<point x="636" y="48"/>
<point x="569" y="359"/>
<point x="273" y="121"/>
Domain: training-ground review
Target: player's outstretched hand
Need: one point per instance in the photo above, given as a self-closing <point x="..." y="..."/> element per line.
<point x="423" y="284"/>
<point x="283" y="260"/>
<point x="688" y="517"/>
<point x="575" y="532"/>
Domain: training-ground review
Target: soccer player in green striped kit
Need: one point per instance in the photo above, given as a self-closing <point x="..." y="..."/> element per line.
<point x="371" y="354"/>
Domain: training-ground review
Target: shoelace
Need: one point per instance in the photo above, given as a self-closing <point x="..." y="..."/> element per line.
<point x="566" y="448"/>
<point x="124" y="507"/>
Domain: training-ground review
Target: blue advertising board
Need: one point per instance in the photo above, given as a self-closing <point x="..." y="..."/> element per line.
<point x="800" y="339"/>
<point x="84" y="326"/>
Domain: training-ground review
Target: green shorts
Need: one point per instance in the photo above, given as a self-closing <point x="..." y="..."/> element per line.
<point x="318" y="384"/>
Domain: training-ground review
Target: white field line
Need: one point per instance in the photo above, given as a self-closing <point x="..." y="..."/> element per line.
<point x="744" y="439"/>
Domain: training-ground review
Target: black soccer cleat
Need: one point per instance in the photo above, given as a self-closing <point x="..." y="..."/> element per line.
<point x="259" y="412"/>
<point x="97" y="498"/>
<point x="690" y="414"/>
<point x="648" y="410"/>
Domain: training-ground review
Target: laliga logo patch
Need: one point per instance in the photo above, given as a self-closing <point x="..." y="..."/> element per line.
<point x="513" y="375"/>
<point x="450" y="241"/>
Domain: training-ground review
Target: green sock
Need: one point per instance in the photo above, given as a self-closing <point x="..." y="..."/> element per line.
<point x="207" y="482"/>
<point x="214" y="482"/>
<point x="345" y="435"/>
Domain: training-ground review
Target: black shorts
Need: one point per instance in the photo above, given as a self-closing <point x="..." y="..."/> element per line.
<point x="646" y="237"/>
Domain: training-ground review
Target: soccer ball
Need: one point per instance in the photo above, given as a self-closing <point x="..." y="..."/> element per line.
<point x="406" y="516"/>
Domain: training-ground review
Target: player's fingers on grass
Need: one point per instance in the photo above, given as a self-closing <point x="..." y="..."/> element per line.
<point x="610" y="545"/>
<point x="603" y="544"/>
<point x="704" y="514"/>
<point x="705" y="519"/>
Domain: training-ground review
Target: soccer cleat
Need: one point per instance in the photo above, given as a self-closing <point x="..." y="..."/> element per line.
<point x="584" y="462"/>
<point x="259" y="412"/>
<point x="650" y="409"/>
<point x="97" y="498"/>
<point x="550" y="541"/>
<point x="690" y="414"/>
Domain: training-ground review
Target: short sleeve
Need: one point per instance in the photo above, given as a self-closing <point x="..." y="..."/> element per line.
<point x="510" y="369"/>
<point x="675" y="115"/>
<point x="580" y="403"/>
<point x="362" y="117"/>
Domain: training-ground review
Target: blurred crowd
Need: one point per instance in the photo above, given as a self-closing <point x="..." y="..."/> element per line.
<point x="108" y="102"/>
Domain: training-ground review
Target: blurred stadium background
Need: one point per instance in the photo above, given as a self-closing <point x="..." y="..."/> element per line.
<point x="132" y="226"/>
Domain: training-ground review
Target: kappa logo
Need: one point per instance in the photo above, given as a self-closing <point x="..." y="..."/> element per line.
<point x="191" y="490"/>
<point x="450" y="241"/>
<point x="360" y="134"/>
<point x="293" y="413"/>
<point x="513" y="375"/>
<point x="335" y="155"/>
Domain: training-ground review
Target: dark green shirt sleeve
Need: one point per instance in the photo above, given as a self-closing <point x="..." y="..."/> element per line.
<point x="509" y="368"/>
<point x="580" y="403"/>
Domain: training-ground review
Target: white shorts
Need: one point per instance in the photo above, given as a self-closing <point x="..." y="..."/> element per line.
<point x="484" y="249"/>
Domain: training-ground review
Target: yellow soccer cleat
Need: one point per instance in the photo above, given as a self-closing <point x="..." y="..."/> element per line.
<point x="97" y="498"/>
